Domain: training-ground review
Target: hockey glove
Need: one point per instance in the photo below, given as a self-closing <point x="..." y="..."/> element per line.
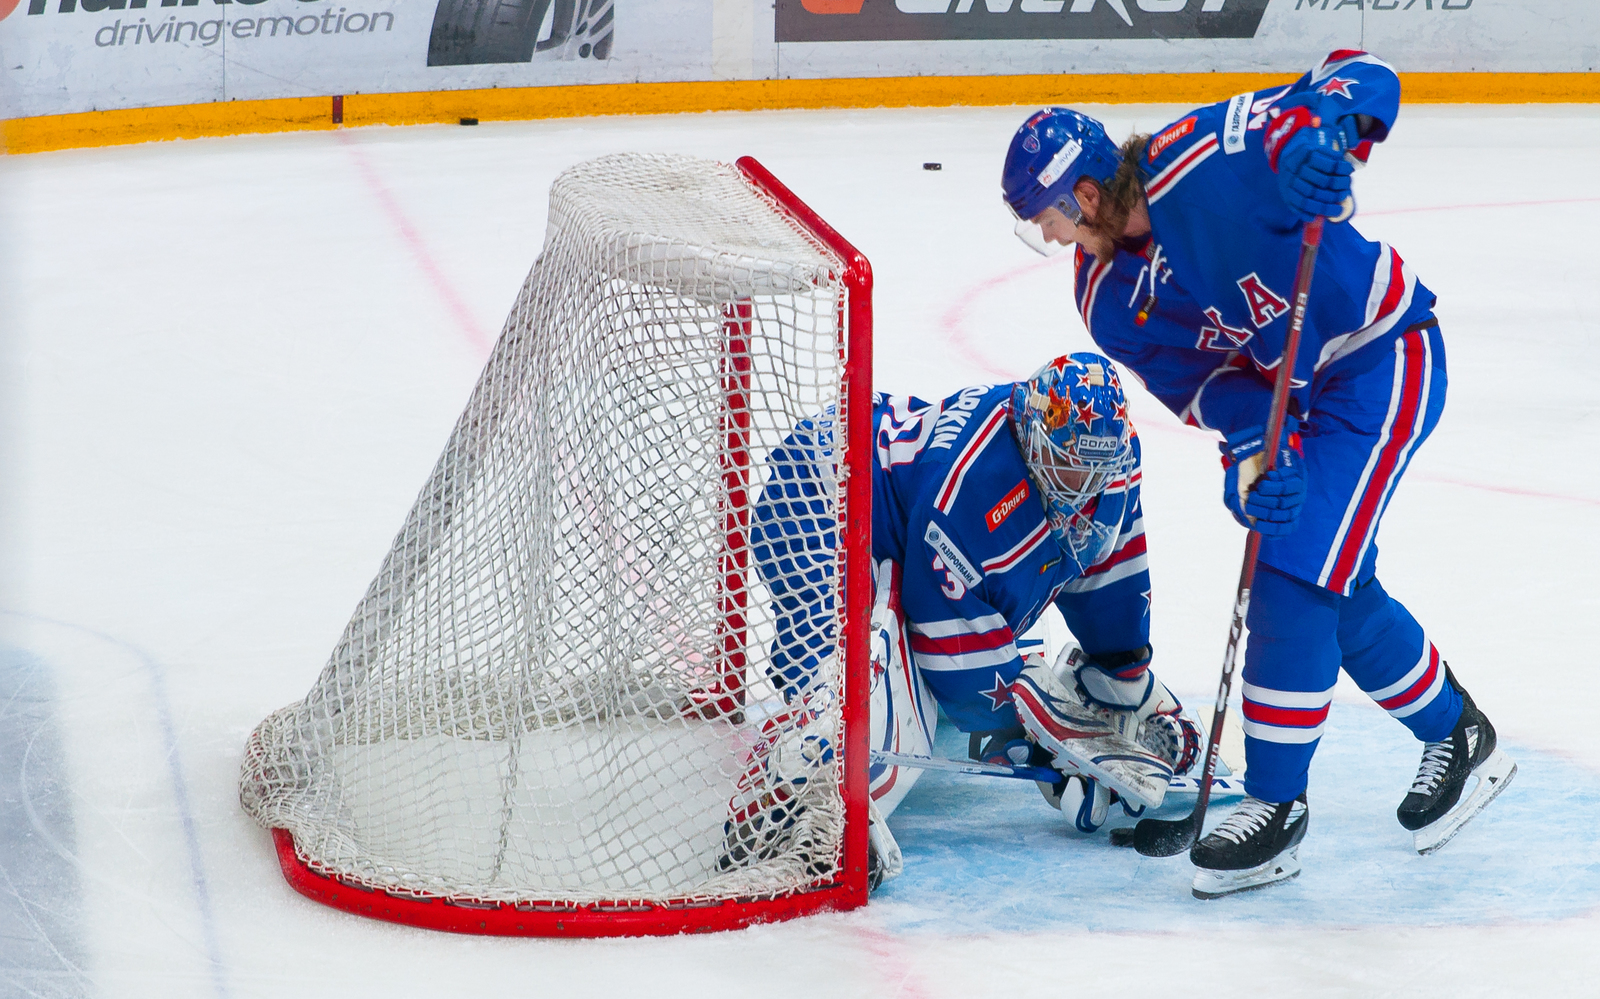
<point x="1307" y="146"/>
<point x="1118" y="682"/>
<point x="1268" y="504"/>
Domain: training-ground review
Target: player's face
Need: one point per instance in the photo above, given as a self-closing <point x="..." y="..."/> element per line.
<point x="1063" y="475"/>
<point x="1056" y="227"/>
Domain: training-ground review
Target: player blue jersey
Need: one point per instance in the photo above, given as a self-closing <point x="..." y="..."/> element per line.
<point x="953" y="505"/>
<point x="1206" y="297"/>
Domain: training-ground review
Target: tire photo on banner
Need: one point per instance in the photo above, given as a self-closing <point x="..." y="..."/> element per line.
<point x="481" y="32"/>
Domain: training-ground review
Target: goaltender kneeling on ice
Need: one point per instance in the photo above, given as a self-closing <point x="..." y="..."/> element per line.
<point x="987" y="507"/>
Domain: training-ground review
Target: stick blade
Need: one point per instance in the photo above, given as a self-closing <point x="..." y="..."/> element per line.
<point x="1158" y="837"/>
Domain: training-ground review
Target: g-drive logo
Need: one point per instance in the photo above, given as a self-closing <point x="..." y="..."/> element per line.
<point x="933" y="20"/>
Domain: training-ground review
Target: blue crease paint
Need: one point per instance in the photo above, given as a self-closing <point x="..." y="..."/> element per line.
<point x="1010" y="859"/>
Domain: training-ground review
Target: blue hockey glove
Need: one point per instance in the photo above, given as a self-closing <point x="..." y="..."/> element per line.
<point x="1268" y="504"/>
<point x="1306" y="145"/>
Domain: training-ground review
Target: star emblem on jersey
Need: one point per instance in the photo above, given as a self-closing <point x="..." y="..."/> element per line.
<point x="1336" y="85"/>
<point x="1000" y="695"/>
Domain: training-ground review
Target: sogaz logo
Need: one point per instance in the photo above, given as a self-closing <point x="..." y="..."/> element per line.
<point x="934" y="20"/>
<point x="1092" y="446"/>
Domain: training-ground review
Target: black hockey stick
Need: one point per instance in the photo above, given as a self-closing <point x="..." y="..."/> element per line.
<point x="1168" y="837"/>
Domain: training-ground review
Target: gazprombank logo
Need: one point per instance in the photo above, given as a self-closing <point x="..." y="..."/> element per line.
<point x="937" y="20"/>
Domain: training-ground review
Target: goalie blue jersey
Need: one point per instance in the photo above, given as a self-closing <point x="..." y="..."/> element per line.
<point x="953" y="505"/>
<point x="1200" y="309"/>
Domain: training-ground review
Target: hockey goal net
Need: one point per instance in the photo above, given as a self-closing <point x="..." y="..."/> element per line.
<point x="552" y="711"/>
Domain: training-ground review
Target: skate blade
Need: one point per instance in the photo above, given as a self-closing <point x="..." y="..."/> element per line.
<point x="1217" y="884"/>
<point x="1492" y="776"/>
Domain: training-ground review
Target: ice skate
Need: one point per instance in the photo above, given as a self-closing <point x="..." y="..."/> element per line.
<point x="1456" y="779"/>
<point x="1092" y="741"/>
<point x="1258" y="845"/>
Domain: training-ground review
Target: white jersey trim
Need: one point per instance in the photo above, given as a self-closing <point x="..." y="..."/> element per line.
<point x="1088" y="584"/>
<point x="1097" y="275"/>
<point x="1281" y="734"/>
<point x="1411" y="677"/>
<point x="986" y="659"/>
<point x="1427" y="696"/>
<point x="1289" y="698"/>
<point x="1375" y="327"/>
<point x="960" y="626"/>
<point x="1021" y="550"/>
<point x="1191" y="413"/>
<point x="1396" y="400"/>
<point x="1180" y="168"/>
<point x="967" y="458"/>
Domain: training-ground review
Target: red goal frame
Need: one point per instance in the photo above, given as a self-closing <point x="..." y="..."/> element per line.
<point x="848" y="889"/>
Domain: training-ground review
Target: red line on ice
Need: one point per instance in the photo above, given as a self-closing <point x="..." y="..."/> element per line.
<point x="466" y="323"/>
<point x="1508" y="490"/>
<point x="954" y="320"/>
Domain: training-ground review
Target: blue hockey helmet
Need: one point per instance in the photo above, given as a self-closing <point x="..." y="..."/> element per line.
<point x="1071" y="421"/>
<point x="1051" y="152"/>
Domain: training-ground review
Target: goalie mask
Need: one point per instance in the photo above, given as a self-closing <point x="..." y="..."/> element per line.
<point x="1071" y="422"/>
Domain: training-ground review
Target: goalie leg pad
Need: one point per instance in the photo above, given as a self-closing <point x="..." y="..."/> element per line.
<point x="884" y="862"/>
<point x="902" y="713"/>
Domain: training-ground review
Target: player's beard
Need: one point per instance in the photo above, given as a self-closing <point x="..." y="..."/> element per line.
<point x="1096" y="241"/>
<point x="1118" y="199"/>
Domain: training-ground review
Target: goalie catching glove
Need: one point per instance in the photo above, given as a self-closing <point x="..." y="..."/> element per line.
<point x="1112" y="722"/>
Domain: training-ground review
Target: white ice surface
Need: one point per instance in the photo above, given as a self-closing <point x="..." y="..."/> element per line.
<point x="229" y="364"/>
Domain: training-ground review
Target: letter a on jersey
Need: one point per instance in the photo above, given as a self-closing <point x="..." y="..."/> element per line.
<point x="1265" y="304"/>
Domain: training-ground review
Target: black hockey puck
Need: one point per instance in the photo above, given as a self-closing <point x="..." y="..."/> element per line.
<point x="469" y="121"/>
<point x="933" y="166"/>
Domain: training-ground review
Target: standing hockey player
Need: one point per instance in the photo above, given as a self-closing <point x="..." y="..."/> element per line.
<point x="1188" y="243"/>
<point x="987" y="507"/>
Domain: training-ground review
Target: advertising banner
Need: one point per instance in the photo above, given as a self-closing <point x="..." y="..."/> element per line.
<point x="82" y="55"/>
<point x="903" y="20"/>
<point x="822" y="38"/>
<point x="62" y="56"/>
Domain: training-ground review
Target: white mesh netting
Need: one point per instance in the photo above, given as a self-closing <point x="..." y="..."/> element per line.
<point x="555" y="689"/>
